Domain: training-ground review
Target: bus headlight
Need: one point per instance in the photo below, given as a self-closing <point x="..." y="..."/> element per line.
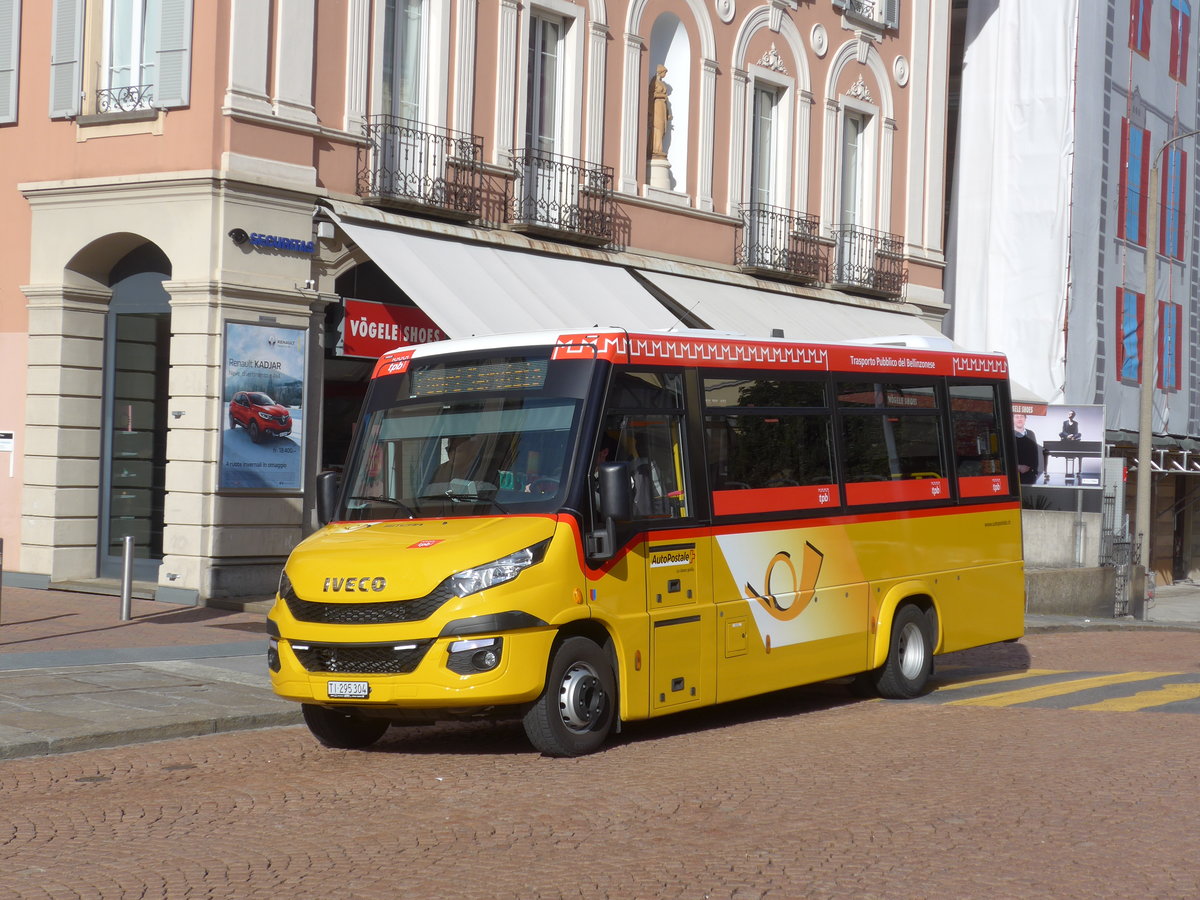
<point x="470" y="581"/>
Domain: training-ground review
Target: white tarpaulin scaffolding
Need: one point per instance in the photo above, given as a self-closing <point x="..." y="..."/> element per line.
<point x="1010" y="215"/>
<point x="472" y="289"/>
<point x="757" y="313"/>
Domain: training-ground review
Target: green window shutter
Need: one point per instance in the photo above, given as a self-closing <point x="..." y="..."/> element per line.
<point x="66" y="53"/>
<point x="174" y="68"/>
<point x="10" y="58"/>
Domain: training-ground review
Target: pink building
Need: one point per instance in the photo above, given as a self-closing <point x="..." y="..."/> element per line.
<point x="217" y="212"/>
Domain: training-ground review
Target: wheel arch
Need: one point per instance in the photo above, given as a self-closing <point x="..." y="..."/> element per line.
<point x="916" y="593"/>
<point x="599" y="634"/>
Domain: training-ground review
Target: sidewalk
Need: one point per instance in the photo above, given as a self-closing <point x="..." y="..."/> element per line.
<point x="73" y="676"/>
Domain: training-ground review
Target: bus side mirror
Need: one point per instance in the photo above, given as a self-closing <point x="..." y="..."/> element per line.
<point x="616" y="491"/>
<point x="328" y="484"/>
<point x="615" y="495"/>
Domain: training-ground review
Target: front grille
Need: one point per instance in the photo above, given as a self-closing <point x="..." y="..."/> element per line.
<point x="363" y="659"/>
<point x="385" y="613"/>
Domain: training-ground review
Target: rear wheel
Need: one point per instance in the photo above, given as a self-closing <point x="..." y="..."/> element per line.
<point x="910" y="656"/>
<point x="575" y="713"/>
<point x="342" y="729"/>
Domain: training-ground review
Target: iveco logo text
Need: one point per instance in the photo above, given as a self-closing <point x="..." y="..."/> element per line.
<point x="364" y="584"/>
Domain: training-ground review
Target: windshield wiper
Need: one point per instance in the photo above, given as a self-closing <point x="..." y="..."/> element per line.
<point x="393" y="501"/>
<point x="463" y="497"/>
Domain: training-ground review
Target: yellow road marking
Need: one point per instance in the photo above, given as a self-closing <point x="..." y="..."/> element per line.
<point x="1058" y="689"/>
<point x="998" y="679"/>
<point x="1168" y="693"/>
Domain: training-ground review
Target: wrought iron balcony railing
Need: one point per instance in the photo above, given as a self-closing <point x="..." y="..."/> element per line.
<point x="562" y="197"/>
<point x="779" y="243"/>
<point x="868" y="260"/>
<point x="419" y="166"/>
<point x="130" y="98"/>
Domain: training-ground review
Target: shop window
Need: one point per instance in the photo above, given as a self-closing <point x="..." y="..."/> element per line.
<point x="119" y="56"/>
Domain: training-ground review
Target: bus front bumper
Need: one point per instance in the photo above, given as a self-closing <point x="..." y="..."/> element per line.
<point x="432" y="674"/>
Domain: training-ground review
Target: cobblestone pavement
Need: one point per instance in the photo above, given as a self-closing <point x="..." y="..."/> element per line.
<point x="802" y="794"/>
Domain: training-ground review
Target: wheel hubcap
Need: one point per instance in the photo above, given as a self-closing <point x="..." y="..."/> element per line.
<point x="581" y="697"/>
<point x="911" y="651"/>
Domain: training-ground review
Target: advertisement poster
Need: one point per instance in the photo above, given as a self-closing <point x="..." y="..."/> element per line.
<point x="1061" y="448"/>
<point x="263" y="408"/>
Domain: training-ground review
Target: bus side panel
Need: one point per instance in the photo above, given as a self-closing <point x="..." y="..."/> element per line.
<point x="983" y="606"/>
<point x="792" y="609"/>
<point x="682" y="635"/>
<point x="617" y="598"/>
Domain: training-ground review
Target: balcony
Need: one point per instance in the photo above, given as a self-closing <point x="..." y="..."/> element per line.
<point x="130" y="98"/>
<point x="868" y="261"/>
<point x="420" y="167"/>
<point x="779" y="243"/>
<point x="562" y="198"/>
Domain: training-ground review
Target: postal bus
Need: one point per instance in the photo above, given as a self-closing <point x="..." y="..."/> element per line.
<point x="592" y="528"/>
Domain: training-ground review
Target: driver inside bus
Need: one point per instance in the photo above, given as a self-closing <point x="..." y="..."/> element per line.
<point x="461" y="451"/>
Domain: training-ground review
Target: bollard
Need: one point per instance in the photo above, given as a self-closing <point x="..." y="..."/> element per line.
<point x="126" y="577"/>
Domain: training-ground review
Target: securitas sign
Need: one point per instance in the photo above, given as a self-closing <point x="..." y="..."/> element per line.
<point x="370" y="328"/>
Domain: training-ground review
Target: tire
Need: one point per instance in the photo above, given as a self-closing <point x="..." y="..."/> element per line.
<point x="575" y="713"/>
<point x="255" y="433"/>
<point x="342" y="729"/>
<point x="232" y="422"/>
<point x="909" y="663"/>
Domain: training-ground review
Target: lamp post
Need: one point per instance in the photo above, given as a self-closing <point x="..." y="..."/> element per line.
<point x="1144" y="484"/>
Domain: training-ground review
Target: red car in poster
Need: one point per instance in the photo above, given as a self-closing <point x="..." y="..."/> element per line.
<point x="259" y="415"/>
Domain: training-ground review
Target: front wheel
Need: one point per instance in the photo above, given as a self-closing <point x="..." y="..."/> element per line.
<point x="255" y="432"/>
<point x="910" y="656"/>
<point x="342" y="729"/>
<point x="575" y="713"/>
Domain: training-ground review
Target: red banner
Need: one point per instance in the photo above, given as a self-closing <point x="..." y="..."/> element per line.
<point x="370" y="328"/>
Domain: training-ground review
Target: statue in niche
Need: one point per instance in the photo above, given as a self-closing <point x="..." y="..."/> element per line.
<point x="660" y="114"/>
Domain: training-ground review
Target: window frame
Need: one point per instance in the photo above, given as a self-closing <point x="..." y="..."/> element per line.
<point x="1129" y="189"/>
<point x="10" y="59"/>
<point x="1181" y="31"/>
<point x="1140" y="17"/>
<point x="1173" y="214"/>
<point x="1130" y="309"/>
<point x="1170" y="316"/>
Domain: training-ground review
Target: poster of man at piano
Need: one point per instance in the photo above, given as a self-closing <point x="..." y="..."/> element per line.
<point x="1070" y="442"/>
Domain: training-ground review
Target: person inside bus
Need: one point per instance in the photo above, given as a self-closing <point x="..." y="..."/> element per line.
<point x="1029" y="454"/>
<point x="461" y="451"/>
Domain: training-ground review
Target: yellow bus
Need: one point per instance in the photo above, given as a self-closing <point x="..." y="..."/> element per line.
<point x="586" y="529"/>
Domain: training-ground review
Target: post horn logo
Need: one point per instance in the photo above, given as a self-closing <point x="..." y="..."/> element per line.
<point x="803" y="585"/>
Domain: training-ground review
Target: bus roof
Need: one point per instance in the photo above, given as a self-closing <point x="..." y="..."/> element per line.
<point x="700" y="347"/>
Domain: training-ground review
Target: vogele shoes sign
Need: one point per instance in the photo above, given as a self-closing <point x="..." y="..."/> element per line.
<point x="370" y="328"/>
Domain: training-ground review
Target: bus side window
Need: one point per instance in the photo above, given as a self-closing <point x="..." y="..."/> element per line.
<point x="978" y="439"/>
<point x="644" y="427"/>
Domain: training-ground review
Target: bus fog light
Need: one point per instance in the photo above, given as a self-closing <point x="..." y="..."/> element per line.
<point x="273" y="655"/>
<point x="474" y="656"/>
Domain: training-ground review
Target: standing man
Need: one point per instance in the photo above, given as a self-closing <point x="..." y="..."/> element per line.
<point x="1029" y="454"/>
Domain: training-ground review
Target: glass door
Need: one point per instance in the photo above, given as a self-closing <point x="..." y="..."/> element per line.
<point x="134" y="461"/>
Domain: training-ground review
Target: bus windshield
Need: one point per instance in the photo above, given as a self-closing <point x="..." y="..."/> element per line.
<point x="466" y="438"/>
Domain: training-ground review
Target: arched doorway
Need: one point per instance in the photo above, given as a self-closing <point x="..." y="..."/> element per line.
<point x="133" y="457"/>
